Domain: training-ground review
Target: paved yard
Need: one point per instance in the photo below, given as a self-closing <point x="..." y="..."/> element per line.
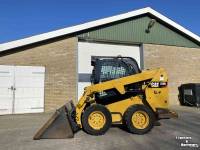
<point x="17" y="131"/>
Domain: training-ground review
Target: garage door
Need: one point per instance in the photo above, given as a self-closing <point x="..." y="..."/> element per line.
<point x="21" y="89"/>
<point x="88" y="49"/>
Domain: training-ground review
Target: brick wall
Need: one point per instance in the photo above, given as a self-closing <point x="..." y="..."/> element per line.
<point x="180" y="63"/>
<point x="58" y="56"/>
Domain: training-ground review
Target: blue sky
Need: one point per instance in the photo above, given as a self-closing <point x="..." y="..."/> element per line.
<point x="23" y="18"/>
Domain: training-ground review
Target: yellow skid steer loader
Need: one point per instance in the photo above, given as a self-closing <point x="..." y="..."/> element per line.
<point x="120" y="94"/>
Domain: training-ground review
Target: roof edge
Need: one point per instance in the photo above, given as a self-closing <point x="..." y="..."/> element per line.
<point x="91" y="24"/>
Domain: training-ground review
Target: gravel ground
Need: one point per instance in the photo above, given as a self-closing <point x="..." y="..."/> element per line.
<point x="17" y="131"/>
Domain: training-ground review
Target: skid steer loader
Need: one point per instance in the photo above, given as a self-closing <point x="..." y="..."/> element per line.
<point x="120" y="94"/>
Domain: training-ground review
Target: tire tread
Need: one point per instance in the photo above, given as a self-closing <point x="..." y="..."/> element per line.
<point x="127" y="121"/>
<point x="85" y="118"/>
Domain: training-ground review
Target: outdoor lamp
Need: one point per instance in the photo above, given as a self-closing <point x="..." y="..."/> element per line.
<point x="151" y="23"/>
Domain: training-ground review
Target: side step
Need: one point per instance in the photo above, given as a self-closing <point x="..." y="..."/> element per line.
<point x="164" y="113"/>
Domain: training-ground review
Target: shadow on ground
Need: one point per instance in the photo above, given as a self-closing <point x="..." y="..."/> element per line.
<point x="124" y="128"/>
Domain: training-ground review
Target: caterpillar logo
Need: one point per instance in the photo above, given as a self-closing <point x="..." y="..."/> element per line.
<point x="158" y="85"/>
<point x="154" y="84"/>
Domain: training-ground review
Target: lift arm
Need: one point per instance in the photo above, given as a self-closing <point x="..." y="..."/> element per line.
<point x="118" y="84"/>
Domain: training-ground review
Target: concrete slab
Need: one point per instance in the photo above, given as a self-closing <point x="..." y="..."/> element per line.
<point x="17" y="131"/>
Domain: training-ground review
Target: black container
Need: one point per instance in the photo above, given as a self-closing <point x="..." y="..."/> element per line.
<point x="189" y="94"/>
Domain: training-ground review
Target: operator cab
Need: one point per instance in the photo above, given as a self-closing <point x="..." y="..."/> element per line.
<point x="110" y="68"/>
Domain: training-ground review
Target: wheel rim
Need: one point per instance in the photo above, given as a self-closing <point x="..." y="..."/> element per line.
<point x="140" y="119"/>
<point x="97" y="120"/>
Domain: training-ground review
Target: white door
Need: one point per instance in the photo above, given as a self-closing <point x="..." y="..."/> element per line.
<point x="21" y="89"/>
<point x="6" y="89"/>
<point x="29" y="93"/>
<point x="88" y="49"/>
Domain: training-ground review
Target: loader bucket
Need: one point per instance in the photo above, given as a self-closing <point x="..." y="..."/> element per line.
<point x="59" y="126"/>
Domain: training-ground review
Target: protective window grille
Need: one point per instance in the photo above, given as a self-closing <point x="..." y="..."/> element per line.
<point x="111" y="70"/>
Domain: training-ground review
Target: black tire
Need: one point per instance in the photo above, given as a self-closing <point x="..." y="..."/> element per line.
<point x="128" y="119"/>
<point x="86" y="114"/>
